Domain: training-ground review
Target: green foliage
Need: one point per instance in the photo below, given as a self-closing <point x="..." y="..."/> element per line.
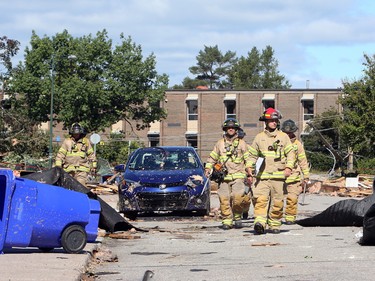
<point x="319" y="161"/>
<point x="358" y="101"/>
<point x="8" y="49"/>
<point x="366" y="166"/>
<point x="189" y="83"/>
<point x="258" y="71"/>
<point x="116" y="150"/>
<point x="318" y="154"/>
<point x="218" y="70"/>
<point x="213" y="67"/>
<point x="20" y="138"/>
<point x="99" y="86"/>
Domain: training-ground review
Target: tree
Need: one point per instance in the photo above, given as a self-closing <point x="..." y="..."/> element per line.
<point x="213" y="67"/>
<point x="102" y="85"/>
<point x="8" y="49"/>
<point x="320" y="156"/>
<point x="116" y="150"/>
<point x="189" y="83"/>
<point x="20" y="139"/>
<point x="358" y="101"/>
<point x="258" y="71"/>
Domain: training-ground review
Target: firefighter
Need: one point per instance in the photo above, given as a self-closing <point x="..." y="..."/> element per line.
<point x="231" y="154"/>
<point x="275" y="148"/>
<point x="247" y="202"/>
<point x="76" y="155"/>
<point x="300" y="173"/>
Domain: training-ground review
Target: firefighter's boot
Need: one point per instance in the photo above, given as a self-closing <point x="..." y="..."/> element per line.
<point x="237" y="221"/>
<point x="226" y="227"/>
<point x="259" y="228"/>
<point x="260" y="213"/>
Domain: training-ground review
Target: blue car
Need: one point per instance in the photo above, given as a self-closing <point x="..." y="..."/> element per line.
<point x="164" y="178"/>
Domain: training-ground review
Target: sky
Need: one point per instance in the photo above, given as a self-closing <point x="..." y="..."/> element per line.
<point x="317" y="43"/>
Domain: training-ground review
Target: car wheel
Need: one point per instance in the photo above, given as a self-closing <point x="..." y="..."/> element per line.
<point x="74" y="239"/>
<point x="131" y="215"/>
<point x="204" y="212"/>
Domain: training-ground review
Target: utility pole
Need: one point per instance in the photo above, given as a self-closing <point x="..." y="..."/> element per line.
<point x="50" y="150"/>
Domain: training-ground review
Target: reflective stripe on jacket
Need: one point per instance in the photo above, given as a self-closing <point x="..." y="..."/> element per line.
<point x="301" y="166"/>
<point x="235" y="155"/>
<point x="276" y="149"/>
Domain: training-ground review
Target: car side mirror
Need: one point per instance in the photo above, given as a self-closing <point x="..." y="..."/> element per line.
<point x="120" y="168"/>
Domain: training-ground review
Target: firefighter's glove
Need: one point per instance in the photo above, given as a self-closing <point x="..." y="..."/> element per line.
<point x="249" y="180"/>
<point x="207" y="172"/>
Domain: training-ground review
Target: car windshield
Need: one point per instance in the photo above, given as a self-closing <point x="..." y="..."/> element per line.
<point x="163" y="159"/>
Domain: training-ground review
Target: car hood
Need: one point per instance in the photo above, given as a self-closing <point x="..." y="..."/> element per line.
<point x="167" y="176"/>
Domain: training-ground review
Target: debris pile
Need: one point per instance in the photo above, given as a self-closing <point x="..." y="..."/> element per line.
<point x="339" y="186"/>
<point x="103" y="189"/>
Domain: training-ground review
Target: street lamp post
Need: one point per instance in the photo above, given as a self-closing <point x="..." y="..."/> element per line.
<point x="70" y="57"/>
<point x="51" y="111"/>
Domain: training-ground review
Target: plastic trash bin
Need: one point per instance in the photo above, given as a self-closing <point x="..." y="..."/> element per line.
<point x="34" y="214"/>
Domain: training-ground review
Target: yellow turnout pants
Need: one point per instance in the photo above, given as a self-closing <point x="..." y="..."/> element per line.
<point x="232" y="200"/>
<point x="268" y="202"/>
<point x="293" y="190"/>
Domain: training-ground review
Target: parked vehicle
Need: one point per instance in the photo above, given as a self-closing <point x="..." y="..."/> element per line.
<point x="165" y="178"/>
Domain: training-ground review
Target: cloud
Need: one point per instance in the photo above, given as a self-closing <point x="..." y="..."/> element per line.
<point x="304" y="34"/>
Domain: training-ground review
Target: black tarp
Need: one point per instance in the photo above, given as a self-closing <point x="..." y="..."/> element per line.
<point x="368" y="237"/>
<point x="349" y="212"/>
<point x="109" y="220"/>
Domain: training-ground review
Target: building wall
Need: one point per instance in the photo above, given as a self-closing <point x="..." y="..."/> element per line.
<point x="173" y="128"/>
<point x="249" y="107"/>
<point x="212" y="112"/>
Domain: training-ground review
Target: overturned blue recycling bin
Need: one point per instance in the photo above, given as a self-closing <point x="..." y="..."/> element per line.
<point x="33" y="214"/>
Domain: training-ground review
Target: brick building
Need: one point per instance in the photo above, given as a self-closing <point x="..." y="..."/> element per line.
<point x="195" y="116"/>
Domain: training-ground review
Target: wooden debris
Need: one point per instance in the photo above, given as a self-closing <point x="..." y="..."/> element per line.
<point x="104" y="255"/>
<point x="123" y="235"/>
<point x="337" y="187"/>
<point x="315" y="187"/>
<point x="266" y="244"/>
<point x="103" y="188"/>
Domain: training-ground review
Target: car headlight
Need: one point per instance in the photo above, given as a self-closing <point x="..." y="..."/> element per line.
<point x="194" y="181"/>
<point x="130" y="185"/>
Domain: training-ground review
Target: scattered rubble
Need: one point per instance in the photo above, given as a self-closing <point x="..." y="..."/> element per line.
<point x="103" y="189"/>
<point x="319" y="184"/>
<point x="338" y="186"/>
<point x="265" y="244"/>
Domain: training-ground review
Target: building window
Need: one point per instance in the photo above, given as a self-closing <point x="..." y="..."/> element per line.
<point x="154" y="143"/>
<point x="192" y="109"/>
<point x="268" y="103"/>
<point x="308" y="109"/>
<point x="153" y="139"/>
<point x="230" y="106"/>
<point x="192" y="140"/>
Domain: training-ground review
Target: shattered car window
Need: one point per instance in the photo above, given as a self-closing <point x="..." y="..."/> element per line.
<point x="160" y="159"/>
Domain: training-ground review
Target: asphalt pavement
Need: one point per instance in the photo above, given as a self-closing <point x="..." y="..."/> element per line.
<point x="197" y="249"/>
